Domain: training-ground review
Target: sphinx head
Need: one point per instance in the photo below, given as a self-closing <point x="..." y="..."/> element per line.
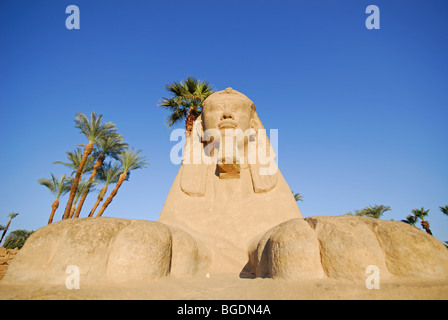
<point x="229" y="135"/>
<point x="228" y="109"/>
<point x="230" y="121"/>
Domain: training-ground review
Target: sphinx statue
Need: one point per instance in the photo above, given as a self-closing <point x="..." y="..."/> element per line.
<point x="229" y="210"/>
<point x="227" y="197"/>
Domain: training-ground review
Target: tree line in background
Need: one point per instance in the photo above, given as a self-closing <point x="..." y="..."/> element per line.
<point x="104" y="143"/>
<point x="377" y="211"/>
<point x="11" y="216"/>
<point x="17" y="238"/>
<point x="108" y="160"/>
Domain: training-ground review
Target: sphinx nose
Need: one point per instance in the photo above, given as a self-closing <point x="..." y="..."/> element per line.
<point x="227" y="115"/>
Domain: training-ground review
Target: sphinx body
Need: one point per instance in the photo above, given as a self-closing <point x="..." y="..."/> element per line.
<point x="226" y="205"/>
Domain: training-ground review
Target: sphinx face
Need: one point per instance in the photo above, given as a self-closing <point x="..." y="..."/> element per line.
<point x="227" y="112"/>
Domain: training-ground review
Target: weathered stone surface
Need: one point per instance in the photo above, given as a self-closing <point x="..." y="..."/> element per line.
<point x="140" y="251"/>
<point x="104" y="249"/>
<point x="410" y="252"/>
<point x="289" y="250"/>
<point x="6" y="256"/>
<point x="347" y="246"/>
<point x="344" y="246"/>
<point x="187" y="257"/>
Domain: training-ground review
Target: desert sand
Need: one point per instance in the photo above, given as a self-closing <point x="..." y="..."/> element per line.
<point x="231" y="287"/>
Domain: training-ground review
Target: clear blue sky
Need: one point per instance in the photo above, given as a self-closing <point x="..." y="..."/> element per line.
<point x="362" y="114"/>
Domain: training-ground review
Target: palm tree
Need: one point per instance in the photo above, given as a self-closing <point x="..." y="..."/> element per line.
<point x="58" y="187"/>
<point x="11" y="216"/>
<point x="375" y="211"/>
<point x="359" y="213"/>
<point x="130" y="160"/>
<point x="186" y="101"/>
<point x="110" y="145"/>
<point x="410" y="219"/>
<point x="74" y="160"/>
<point x="17" y="238"/>
<point x="297" y="196"/>
<point x="444" y="209"/>
<point x="94" y="130"/>
<point x="422" y="213"/>
<point x="82" y="186"/>
<point x="108" y="174"/>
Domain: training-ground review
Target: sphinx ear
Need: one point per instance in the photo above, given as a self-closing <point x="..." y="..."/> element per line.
<point x="197" y="125"/>
<point x="261" y="182"/>
<point x="255" y="122"/>
<point x="193" y="174"/>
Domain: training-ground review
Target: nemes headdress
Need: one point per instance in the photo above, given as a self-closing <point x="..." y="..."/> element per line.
<point x="194" y="173"/>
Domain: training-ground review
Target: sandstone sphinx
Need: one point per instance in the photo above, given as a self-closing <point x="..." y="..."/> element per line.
<point x="225" y="200"/>
<point x="229" y="210"/>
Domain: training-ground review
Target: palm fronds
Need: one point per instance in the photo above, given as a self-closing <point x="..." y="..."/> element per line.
<point x="375" y="211"/>
<point x="92" y="127"/>
<point x="74" y="160"/>
<point x="58" y="187"/>
<point x="187" y="98"/>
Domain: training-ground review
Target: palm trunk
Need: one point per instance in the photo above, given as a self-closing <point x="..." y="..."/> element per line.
<point x="87" y="151"/>
<point x="191" y="117"/>
<point x="54" y="206"/>
<point x="98" y="201"/>
<point x="112" y="194"/>
<point x="96" y="167"/>
<point x="6" y="230"/>
<point x="72" y="212"/>
<point x="425" y="225"/>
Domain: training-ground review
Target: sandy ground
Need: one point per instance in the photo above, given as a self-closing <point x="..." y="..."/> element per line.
<point x="231" y="287"/>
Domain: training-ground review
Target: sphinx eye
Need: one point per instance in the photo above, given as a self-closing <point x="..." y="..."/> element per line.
<point x="214" y="108"/>
<point x="239" y="109"/>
